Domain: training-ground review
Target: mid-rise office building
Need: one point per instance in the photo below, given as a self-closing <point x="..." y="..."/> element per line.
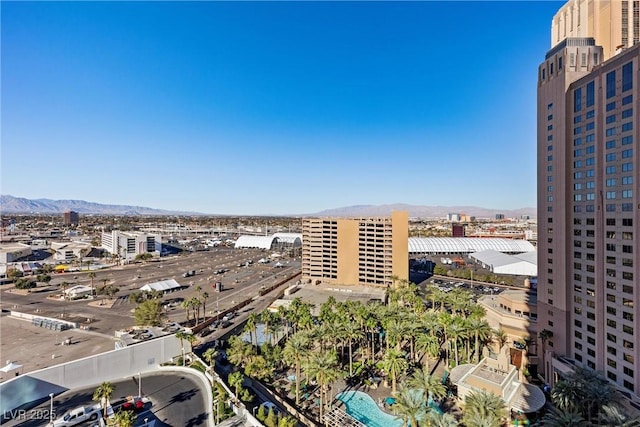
<point x="352" y="251"/>
<point x="128" y="245"/>
<point x="589" y="197"/>
<point x="457" y="230"/>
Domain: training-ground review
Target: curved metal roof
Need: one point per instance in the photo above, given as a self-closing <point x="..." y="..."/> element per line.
<point x="463" y="245"/>
<point x="260" y="242"/>
<point x="289" y="238"/>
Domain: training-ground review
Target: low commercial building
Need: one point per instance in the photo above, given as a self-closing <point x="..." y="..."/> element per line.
<point x="12" y="251"/>
<point x="70" y="251"/>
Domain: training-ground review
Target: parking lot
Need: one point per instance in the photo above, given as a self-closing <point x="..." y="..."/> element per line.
<point x="36" y="347"/>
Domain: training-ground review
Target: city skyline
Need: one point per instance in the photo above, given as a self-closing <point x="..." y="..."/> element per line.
<point x="280" y="108"/>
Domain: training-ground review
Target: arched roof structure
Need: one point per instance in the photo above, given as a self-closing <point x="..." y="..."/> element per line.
<point x="293" y="239"/>
<point x="466" y="245"/>
<point x="260" y="242"/>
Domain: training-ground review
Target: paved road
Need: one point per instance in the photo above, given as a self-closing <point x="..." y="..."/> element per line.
<point x="176" y="400"/>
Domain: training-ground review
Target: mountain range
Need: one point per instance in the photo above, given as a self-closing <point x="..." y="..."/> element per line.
<point x="14" y="205"/>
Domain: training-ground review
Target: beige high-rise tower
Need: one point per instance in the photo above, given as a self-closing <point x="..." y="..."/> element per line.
<point x="614" y="24"/>
<point x="589" y="193"/>
<point x="352" y="251"/>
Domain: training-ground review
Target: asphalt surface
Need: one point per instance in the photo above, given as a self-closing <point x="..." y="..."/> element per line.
<point x="36" y="347"/>
<point x="176" y="400"/>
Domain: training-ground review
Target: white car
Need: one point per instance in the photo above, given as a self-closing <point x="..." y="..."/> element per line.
<point x="77" y="416"/>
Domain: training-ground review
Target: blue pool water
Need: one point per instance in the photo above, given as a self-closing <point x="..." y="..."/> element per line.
<point x="363" y="408"/>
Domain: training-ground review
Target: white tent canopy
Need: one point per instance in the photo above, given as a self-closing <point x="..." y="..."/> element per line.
<point x="162" y="286"/>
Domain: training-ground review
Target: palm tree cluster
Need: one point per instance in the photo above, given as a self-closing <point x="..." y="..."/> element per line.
<point x="193" y="305"/>
<point x="355" y="340"/>
<point x="585" y="398"/>
<point x="411" y="404"/>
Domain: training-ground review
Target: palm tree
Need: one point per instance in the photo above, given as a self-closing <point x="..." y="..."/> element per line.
<point x="409" y="407"/>
<point x="483" y="408"/>
<point x="436" y="419"/>
<point x="351" y="333"/>
<point x="236" y="380"/>
<point x="186" y="304"/>
<point x="501" y="337"/>
<point x="456" y="331"/>
<point x="103" y="393"/>
<point x="294" y="350"/>
<point x="612" y="416"/>
<point x="322" y="366"/>
<point x="481" y="331"/>
<point x="544" y="336"/>
<point x="182" y="335"/>
<point x="92" y="275"/>
<point x="64" y="285"/>
<point x="394" y="364"/>
<point x="430" y="386"/>
<point x="210" y="357"/>
<point x="252" y="321"/>
<point x="429" y="346"/>
<point x="559" y="418"/>
<point x="124" y="419"/>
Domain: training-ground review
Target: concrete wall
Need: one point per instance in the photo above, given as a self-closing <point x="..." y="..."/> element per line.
<point x="127" y="361"/>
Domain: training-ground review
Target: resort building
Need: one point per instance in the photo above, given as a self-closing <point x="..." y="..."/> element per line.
<point x="499" y="377"/>
<point x="355" y="251"/>
<point x="588" y="197"/>
<point x="514" y="311"/>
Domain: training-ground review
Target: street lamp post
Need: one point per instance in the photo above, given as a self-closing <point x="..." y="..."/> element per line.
<point x="139" y="384"/>
<point x="51" y="409"/>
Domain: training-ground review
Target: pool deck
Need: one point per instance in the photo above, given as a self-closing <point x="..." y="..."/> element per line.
<point x="383" y="391"/>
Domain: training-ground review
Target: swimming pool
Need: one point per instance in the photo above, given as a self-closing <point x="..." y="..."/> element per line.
<point x="363" y="408"/>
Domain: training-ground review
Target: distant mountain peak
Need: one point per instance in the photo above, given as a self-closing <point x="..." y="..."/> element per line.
<point x="10" y="204"/>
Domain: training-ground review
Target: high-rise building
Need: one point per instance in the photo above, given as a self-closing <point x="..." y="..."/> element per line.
<point x="352" y="251"/>
<point x="589" y="194"/>
<point x="70" y="218"/>
<point x="614" y="24"/>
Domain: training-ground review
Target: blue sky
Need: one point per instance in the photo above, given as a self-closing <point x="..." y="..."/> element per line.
<point x="272" y="107"/>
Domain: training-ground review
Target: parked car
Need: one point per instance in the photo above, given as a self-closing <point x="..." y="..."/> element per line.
<point x="136" y="403"/>
<point x="78" y="415"/>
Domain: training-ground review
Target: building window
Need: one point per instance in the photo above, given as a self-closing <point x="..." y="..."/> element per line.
<point x="611" y="106"/>
<point x="627" y="76"/>
<point x="591" y="97"/>
<point x="626" y="140"/>
<point x="611" y="119"/>
<point x="577" y="100"/>
<point x="627" y="113"/>
<point x="627" y="100"/>
<point x="611" y="84"/>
